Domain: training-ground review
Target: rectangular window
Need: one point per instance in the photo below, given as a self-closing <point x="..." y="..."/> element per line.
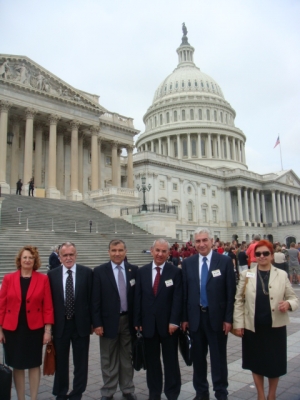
<point x="175" y="149"/>
<point x="203" y="153"/>
<point x="200" y="113"/>
<point x="204" y="215"/>
<point x="221" y="115"/>
<point x="161" y="184"/>
<point x="155" y="122"/>
<point x="175" y="186"/>
<point x="194" y="147"/>
<point x="215" y="115"/>
<point x="168" y="117"/>
<point x="203" y="192"/>
<point x="208" y="115"/>
<point x="191" y="114"/>
<point x="214" y="215"/>
<point x="108" y="160"/>
<point x="213" y="193"/>
<point x="175" y="116"/>
<point x="160" y="119"/>
<point x="183" y="115"/>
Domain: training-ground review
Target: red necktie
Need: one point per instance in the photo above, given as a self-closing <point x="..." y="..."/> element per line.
<point x="156" y="280"/>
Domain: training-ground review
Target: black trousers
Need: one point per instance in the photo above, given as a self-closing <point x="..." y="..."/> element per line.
<point x="169" y="346"/>
<point x="80" y="348"/>
<point x="217" y="342"/>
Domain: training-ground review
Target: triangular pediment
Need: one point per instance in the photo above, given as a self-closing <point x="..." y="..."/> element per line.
<point x="21" y="71"/>
<point x="287" y="178"/>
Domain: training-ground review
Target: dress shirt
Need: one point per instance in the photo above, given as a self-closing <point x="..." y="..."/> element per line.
<point x="154" y="271"/>
<point x="65" y="275"/>
<point x="116" y="272"/>
<point x="209" y="255"/>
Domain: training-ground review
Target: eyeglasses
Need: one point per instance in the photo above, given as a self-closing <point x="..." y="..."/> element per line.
<point x="262" y="253"/>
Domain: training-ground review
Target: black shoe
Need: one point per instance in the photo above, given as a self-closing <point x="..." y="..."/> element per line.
<point x="107" y="397"/>
<point x="129" y="396"/>
<point x="154" y="397"/>
<point x="203" y="396"/>
<point x="223" y="397"/>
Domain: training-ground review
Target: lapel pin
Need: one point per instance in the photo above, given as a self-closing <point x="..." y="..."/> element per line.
<point x="129" y="270"/>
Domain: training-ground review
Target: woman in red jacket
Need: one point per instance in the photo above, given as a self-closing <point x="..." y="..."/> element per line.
<point x="26" y="315"/>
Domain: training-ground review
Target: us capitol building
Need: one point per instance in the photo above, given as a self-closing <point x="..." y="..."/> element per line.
<point x="191" y="154"/>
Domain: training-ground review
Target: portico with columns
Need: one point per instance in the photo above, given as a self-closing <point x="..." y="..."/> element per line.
<point x="59" y="135"/>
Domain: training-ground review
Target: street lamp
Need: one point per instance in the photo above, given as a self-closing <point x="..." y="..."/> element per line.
<point x="10" y="137"/>
<point x="144" y="189"/>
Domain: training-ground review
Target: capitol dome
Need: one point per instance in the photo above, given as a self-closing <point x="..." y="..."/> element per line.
<point x="190" y="119"/>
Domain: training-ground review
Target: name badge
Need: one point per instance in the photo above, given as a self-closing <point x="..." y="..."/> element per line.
<point x="132" y="282"/>
<point x="169" y="282"/>
<point x="215" y="273"/>
<point x="250" y="275"/>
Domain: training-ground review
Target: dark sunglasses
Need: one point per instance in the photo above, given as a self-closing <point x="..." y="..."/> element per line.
<point x="262" y="253"/>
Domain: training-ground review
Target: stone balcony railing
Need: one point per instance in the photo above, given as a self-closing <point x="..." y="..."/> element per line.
<point x="112" y="190"/>
<point x="117" y="119"/>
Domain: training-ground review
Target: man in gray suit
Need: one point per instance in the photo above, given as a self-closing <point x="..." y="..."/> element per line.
<point x="113" y="297"/>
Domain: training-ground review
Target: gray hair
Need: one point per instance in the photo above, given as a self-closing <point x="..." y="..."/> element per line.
<point x="55" y="247"/>
<point x="114" y="242"/>
<point x="161" y="241"/>
<point x="206" y="231"/>
<point x="67" y="244"/>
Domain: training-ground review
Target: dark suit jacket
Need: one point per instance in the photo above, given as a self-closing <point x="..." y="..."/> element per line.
<point x="220" y="291"/>
<point x="106" y="299"/>
<point x="157" y="312"/>
<point x="83" y="292"/>
<point x="54" y="260"/>
<point x="39" y="309"/>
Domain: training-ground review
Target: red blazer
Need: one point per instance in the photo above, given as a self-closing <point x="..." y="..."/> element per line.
<point x="39" y="308"/>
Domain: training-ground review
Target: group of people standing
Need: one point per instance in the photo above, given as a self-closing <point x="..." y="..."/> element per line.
<point x="19" y="186"/>
<point x="117" y="299"/>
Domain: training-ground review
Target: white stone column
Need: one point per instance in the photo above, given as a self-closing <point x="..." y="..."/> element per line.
<point x="169" y="146"/>
<point x="227" y="147"/>
<point x="189" y="145"/>
<point x="233" y="150"/>
<point x="130" y="167"/>
<point x="28" y="148"/>
<point x="60" y="171"/>
<point x="228" y="206"/>
<point x="288" y="204"/>
<point x="94" y="153"/>
<point x="284" y="208"/>
<point x="274" y="207"/>
<point x="51" y="191"/>
<point x="279" y="208"/>
<point x="263" y="206"/>
<point x="199" y="146"/>
<point x="159" y="146"/>
<point x="4" y="108"/>
<point x="257" y="207"/>
<point x="243" y="153"/>
<point x="297" y="207"/>
<point x="240" y="205"/>
<point x="209" y="145"/>
<point x="178" y="147"/>
<point x="246" y="205"/>
<point x="14" y="174"/>
<point x="74" y="192"/>
<point x="38" y="156"/>
<point x="119" y="167"/>
<point x="253" y="219"/>
<point x="152" y="145"/>
<point x="99" y="162"/>
<point x="219" y="147"/>
<point x="293" y="208"/>
<point x="81" y="136"/>
<point x="114" y="163"/>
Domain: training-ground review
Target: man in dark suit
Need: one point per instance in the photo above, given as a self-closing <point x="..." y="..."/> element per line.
<point x="71" y="287"/>
<point x="113" y="297"/>
<point x="158" y="306"/>
<point x="208" y="297"/>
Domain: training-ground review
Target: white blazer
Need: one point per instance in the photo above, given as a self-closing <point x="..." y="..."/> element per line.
<point x="279" y="289"/>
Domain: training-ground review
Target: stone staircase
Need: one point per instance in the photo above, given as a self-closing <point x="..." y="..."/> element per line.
<point x="46" y="222"/>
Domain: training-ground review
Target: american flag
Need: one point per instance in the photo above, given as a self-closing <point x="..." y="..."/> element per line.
<point x="277" y="142"/>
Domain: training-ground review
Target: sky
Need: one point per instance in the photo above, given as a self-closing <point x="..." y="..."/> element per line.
<point x="122" y="50"/>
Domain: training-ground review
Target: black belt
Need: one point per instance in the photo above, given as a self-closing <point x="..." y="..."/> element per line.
<point x="203" y="309"/>
<point x="123" y="313"/>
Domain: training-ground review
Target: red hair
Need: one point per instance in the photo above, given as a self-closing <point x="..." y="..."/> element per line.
<point x="266" y="243"/>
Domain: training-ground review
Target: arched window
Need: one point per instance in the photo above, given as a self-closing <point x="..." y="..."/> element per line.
<point x="190" y="211"/>
<point x="191" y="114"/>
<point x="221" y="116"/>
<point x="183" y="115"/>
<point x="160" y="119"/>
<point x="155" y="121"/>
<point x="194" y="147"/>
<point x="200" y="113"/>
<point x="208" y="115"/>
<point x="175" y="116"/>
<point x="168" y="117"/>
<point x="184" y="147"/>
<point x="175" y="149"/>
<point x="203" y="152"/>
<point x="215" y="115"/>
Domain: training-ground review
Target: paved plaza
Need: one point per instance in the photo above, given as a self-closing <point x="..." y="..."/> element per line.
<point x="241" y="385"/>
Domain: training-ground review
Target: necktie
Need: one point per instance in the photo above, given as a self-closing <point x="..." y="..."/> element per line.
<point x="122" y="289"/>
<point x="70" y="303"/>
<point x="204" y="273"/>
<point x="156" y="280"/>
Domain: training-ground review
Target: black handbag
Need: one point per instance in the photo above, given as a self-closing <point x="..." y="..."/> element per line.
<point x="138" y="352"/>
<point x="5" y="381"/>
<point x="185" y="346"/>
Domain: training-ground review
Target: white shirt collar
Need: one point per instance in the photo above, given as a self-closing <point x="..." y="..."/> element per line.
<point x="209" y="255"/>
<point x="73" y="269"/>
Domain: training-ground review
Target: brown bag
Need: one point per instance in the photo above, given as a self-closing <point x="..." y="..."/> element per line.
<point x="49" y="359"/>
<point x="233" y="330"/>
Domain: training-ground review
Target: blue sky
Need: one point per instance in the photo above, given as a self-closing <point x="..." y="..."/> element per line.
<point x="122" y="50"/>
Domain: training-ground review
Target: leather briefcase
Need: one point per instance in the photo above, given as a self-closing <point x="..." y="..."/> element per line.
<point x="138" y="353"/>
<point x="49" y="359"/>
<point x="185" y="346"/>
<point x="5" y="381"/>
